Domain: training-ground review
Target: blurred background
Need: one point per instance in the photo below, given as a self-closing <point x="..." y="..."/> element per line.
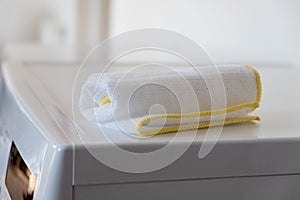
<point x="260" y="31"/>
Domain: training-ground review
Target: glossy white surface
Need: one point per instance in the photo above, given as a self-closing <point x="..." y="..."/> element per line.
<point x="51" y="85"/>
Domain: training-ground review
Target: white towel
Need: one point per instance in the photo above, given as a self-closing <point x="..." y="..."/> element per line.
<point x="159" y="102"/>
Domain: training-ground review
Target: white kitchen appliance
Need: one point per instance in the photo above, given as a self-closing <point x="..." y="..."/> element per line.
<point x="42" y="156"/>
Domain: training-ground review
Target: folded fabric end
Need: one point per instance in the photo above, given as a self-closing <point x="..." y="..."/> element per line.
<point x="144" y="130"/>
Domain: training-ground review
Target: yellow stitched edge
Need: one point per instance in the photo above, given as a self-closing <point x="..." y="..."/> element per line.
<point x="252" y="105"/>
<point x="258" y="83"/>
<point x="196" y="126"/>
<point x="105" y="100"/>
<point x="140" y="123"/>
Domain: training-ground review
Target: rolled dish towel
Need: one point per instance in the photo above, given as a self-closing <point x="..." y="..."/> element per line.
<point x="149" y="103"/>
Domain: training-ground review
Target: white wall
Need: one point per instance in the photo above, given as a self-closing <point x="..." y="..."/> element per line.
<point x="80" y="21"/>
<point x="20" y="19"/>
<point x="91" y="21"/>
<point x="248" y="31"/>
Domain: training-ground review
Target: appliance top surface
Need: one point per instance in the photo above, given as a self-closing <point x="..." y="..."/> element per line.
<point x="44" y="91"/>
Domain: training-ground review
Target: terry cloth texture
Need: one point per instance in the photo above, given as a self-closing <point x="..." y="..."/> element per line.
<point x="152" y="103"/>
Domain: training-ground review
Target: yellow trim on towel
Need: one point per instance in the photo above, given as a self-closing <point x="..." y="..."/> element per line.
<point x="104" y="101"/>
<point x="252" y="105"/>
<point x="194" y="126"/>
<point x="140" y="123"/>
<point x="258" y="83"/>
